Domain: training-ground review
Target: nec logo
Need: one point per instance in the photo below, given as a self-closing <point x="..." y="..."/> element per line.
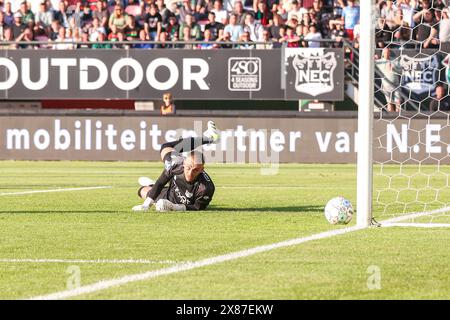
<point x="244" y="74"/>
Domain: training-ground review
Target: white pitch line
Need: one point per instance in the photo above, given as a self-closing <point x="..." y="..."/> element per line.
<point x="417" y="225"/>
<point x="414" y="215"/>
<point x="53" y="190"/>
<point x="98" y="261"/>
<point x="105" y="284"/>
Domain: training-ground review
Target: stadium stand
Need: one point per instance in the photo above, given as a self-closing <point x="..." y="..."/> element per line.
<point x="77" y="16"/>
<point x="400" y="24"/>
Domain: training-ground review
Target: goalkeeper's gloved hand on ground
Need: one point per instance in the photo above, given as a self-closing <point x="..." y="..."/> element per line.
<point x="145" y="206"/>
<point x="164" y="205"/>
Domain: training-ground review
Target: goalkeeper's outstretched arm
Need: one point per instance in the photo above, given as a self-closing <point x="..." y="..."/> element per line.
<point x="149" y="194"/>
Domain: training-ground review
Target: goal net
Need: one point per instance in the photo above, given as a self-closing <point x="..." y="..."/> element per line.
<point x="411" y="127"/>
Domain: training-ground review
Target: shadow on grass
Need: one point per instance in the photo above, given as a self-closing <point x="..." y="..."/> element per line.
<point x="287" y="209"/>
<point x="298" y="209"/>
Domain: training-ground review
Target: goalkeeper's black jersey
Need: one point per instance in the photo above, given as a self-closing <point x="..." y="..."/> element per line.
<point x="195" y="196"/>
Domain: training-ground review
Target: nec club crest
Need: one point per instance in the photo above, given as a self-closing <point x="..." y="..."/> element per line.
<point x="314" y="74"/>
<point x="419" y="75"/>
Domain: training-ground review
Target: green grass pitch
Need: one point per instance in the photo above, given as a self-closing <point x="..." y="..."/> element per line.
<point x="248" y="210"/>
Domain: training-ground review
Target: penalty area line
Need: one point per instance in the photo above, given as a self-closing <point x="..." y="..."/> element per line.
<point x="53" y="190"/>
<point x="109" y="283"/>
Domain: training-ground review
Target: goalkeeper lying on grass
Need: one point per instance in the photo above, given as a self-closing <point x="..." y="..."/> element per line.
<point x="188" y="185"/>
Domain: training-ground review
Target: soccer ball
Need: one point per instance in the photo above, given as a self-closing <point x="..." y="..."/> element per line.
<point x="339" y="211"/>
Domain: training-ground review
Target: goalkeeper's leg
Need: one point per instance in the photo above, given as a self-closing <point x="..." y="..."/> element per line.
<point x="211" y="135"/>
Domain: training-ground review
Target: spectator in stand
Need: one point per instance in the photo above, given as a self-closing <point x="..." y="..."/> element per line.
<point x="18" y="27"/>
<point x="224" y="38"/>
<point x="172" y="28"/>
<point x="297" y="10"/>
<point x="95" y="30"/>
<point x="8" y="37"/>
<point x="313" y="34"/>
<point x="202" y="8"/>
<point x="75" y="17"/>
<point x="120" y="39"/>
<point x="207" y="42"/>
<point x="262" y="13"/>
<point x="427" y="32"/>
<point x="213" y="26"/>
<point x="281" y="11"/>
<point x="293" y="22"/>
<point x="61" y="14"/>
<point x="388" y="22"/>
<point x="86" y="16"/>
<point x="234" y="29"/>
<point x="131" y="30"/>
<point x="26" y="36"/>
<point x="153" y="23"/>
<point x="54" y="28"/>
<point x="163" y="44"/>
<point x="245" y="41"/>
<point x="27" y="14"/>
<point x="75" y="36"/>
<point x="143" y="37"/>
<point x="408" y="11"/>
<point x="403" y="33"/>
<point x="84" y="38"/>
<point x="194" y="28"/>
<point x="184" y="10"/>
<point x="350" y="17"/>
<point x="3" y="26"/>
<point x="220" y="13"/>
<point x="101" y="13"/>
<point x="254" y="28"/>
<point x="444" y="27"/>
<point x="100" y="44"/>
<point x="337" y="34"/>
<point x="113" y="35"/>
<point x="164" y="12"/>
<point x="239" y="11"/>
<point x="185" y="35"/>
<point x="306" y="20"/>
<point x="43" y="19"/>
<point x="228" y="5"/>
<point x="441" y="101"/>
<point x="390" y="81"/>
<point x="275" y="25"/>
<point x="291" y="38"/>
<point x="62" y="42"/>
<point x="319" y="14"/>
<point x="9" y="14"/>
<point x="278" y="41"/>
<point x="118" y="18"/>
<point x="266" y="38"/>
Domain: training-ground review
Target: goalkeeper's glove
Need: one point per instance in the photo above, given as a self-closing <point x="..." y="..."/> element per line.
<point x="145" y="206"/>
<point x="164" y="205"/>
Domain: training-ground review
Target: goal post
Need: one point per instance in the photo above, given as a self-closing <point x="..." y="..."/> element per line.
<point x="365" y="115"/>
<point x="403" y="159"/>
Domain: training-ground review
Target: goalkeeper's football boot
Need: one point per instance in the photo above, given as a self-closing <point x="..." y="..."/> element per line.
<point x="212" y="132"/>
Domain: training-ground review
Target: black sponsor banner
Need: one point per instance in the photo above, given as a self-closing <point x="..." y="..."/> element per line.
<point x="249" y="139"/>
<point x="188" y="74"/>
<point x="412" y="76"/>
<point x="316" y="74"/>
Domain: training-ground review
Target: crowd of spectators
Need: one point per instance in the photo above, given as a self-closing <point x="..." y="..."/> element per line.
<point x="219" y="23"/>
<point x="246" y="24"/>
